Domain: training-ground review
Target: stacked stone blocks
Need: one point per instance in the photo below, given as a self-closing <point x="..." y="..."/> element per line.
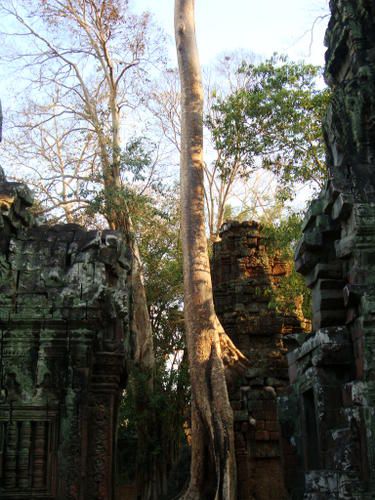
<point x="245" y="275"/>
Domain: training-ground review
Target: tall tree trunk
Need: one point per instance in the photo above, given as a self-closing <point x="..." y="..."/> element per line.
<point x="147" y="470"/>
<point x="213" y="467"/>
<point x="119" y="218"/>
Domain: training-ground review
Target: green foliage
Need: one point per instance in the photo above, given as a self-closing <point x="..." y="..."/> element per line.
<point x="166" y="406"/>
<point x="154" y="212"/>
<point x="274" y="121"/>
<point x="155" y="217"/>
<point x="159" y="242"/>
<point x="136" y="159"/>
<point x="284" y="235"/>
<point x="137" y="191"/>
<point x="156" y="222"/>
<point x="282" y="240"/>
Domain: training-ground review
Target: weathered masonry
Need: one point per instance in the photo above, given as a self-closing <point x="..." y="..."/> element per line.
<point x="64" y="343"/>
<point x="328" y="418"/>
<point x="244" y="275"/>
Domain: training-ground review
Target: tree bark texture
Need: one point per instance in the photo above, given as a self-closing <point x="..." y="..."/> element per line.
<point x="213" y="467"/>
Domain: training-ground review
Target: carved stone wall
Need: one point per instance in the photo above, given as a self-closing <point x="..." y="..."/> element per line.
<point x="245" y="275"/>
<point x="64" y="344"/>
<point x="328" y="417"/>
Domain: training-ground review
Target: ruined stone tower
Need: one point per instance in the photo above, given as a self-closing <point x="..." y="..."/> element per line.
<point x="245" y="273"/>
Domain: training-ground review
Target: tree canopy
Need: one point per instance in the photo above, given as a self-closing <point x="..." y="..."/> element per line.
<point x="274" y="122"/>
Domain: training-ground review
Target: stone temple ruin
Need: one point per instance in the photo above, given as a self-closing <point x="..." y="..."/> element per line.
<point x="65" y="342"/>
<point x="304" y="419"/>
<point x="328" y="415"/>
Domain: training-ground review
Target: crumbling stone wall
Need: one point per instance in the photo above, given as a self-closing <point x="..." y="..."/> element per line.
<point x="245" y="275"/>
<point x="328" y="418"/>
<point x="64" y="345"/>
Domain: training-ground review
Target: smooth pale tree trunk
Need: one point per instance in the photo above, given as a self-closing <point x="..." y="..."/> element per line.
<point x="211" y="353"/>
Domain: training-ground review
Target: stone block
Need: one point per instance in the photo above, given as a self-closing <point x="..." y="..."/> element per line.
<point x="332" y="270"/>
<point x="343" y="206"/>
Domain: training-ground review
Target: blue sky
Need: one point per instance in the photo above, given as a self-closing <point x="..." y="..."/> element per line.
<point x="261" y="26"/>
<point x="258" y="26"/>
